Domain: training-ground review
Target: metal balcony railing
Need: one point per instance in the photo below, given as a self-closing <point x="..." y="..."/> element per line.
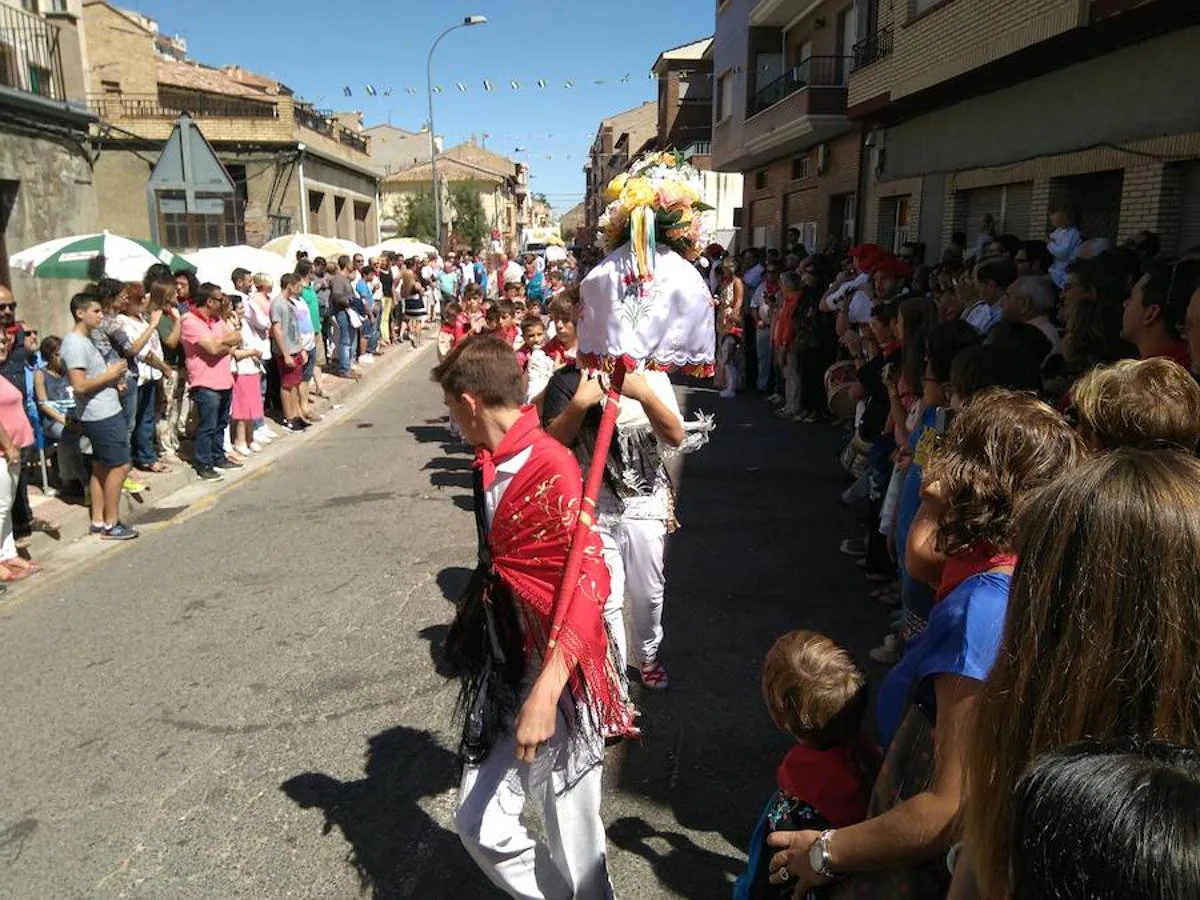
<point x="697" y="148"/>
<point x="30" y="55"/>
<point x="873" y="47"/>
<point x="168" y="104"/>
<point x="352" y="139"/>
<point x="814" y="71"/>
<point x="318" y="120"/>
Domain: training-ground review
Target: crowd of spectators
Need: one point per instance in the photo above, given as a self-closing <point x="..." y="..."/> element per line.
<point x="1021" y="423"/>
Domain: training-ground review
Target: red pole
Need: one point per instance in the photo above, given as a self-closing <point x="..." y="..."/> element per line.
<point x="587" y="505"/>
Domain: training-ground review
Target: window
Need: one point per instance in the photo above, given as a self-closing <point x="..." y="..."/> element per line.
<point x="110" y="87"/>
<point x="361" y="211"/>
<point x="920" y="7"/>
<point x="724" y="96"/>
<point x="894" y="215"/>
<point x="800" y="167"/>
<point x="761" y="179"/>
<point x="315" y="200"/>
<point x="8" y="199"/>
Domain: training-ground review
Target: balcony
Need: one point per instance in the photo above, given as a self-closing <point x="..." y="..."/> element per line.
<point x="873" y="48"/>
<point x="813" y="72"/>
<point x="353" y="140"/>
<point x="169" y="104"/>
<point x="697" y="148"/>
<point x="30" y="56"/>
<point x="318" y="120"/>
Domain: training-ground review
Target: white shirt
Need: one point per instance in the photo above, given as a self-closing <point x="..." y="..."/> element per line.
<point x="252" y="341"/>
<point x="133" y="327"/>
<point x="983" y="317"/>
<point x="859" y="312"/>
<point x="513" y="272"/>
<point x="505" y="471"/>
<point x="1063" y="245"/>
<point x="838" y="296"/>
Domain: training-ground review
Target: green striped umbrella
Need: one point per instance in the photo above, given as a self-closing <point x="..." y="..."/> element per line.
<point x="125" y="259"/>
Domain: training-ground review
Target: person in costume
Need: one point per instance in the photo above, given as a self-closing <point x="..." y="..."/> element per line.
<point x="634" y="505"/>
<point x="538" y="698"/>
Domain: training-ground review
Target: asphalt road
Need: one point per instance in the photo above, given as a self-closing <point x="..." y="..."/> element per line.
<point x="247" y="703"/>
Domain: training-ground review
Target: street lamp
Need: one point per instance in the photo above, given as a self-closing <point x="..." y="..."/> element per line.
<point x="437" y="203"/>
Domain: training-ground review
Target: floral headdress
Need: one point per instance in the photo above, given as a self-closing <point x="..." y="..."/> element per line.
<point x="656" y="202"/>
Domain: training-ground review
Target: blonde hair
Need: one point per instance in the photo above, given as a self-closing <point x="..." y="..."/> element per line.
<point x="813" y="689"/>
<point x="1099" y="635"/>
<point x="1138" y="403"/>
<point x="262" y="279"/>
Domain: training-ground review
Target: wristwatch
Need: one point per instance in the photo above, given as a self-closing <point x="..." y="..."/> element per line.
<point x="818" y="855"/>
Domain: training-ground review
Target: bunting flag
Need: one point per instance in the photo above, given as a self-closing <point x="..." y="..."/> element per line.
<point x="346" y="90"/>
<point x="387" y="92"/>
<point x="370" y="88"/>
<point x="625" y="78"/>
<point x="516" y="85"/>
<point x="488" y="86"/>
<point x="462" y="88"/>
<point x="437" y="88"/>
<point x="598" y="81"/>
<point x="541" y="82"/>
<point x="569" y="85"/>
<point x="410" y="90"/>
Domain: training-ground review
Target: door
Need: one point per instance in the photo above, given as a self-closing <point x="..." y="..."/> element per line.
<point x="847" y="37"/>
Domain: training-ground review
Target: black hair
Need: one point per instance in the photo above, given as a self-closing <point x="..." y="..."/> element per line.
<point x="156" y="272"/>
<point x="1157" y="291"/>
<point x="303" y="268"/>
<point x="1103" y="275"/>
<point x="986" y="366"/>
<point x="238" y="274"/>
<point x="207" y="291"/>
<point x="1029" y="338"/>
<point x="49" y="346"/>
<point x="1108" y="821"/>
<point x="958" y="238"/>
<point x="1149" y="242"/>
<point x="82" y="301"/>
<point x="1001" y="271"/>
<point x="1010" y="242"/>
<point x="319" y="261"/>
<point x="287" y="280"/>
<point x="343" y="262"/>
<point x="946" y="341"/>
<point x="1037" y="253"/>
<point x="193" y="283"/>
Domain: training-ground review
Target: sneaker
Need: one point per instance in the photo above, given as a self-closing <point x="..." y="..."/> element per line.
<point x="366" y="359"/>
<point x="241" y="450"/>
<point x="255" y="447"/>
<point x="210" y="475"/>
<point x="299" y="424"/>
<point x="412" y="339"/>
<point x="890" y="652"/>
<point x="853" y="547"/>
<point x="93" y="528"/>
<point x="227" y="464"/>
<point x="130" y="486"/>
<point x="775" y="398"/>
<point x="119" y="532"/>
<point x="728" y="393"/>
<point x="265" y="433"/>
<point x="654" y="676"/>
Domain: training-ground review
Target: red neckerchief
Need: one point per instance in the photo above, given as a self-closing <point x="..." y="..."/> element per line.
<point x="889" y="348"/>
<point x="979" y="559"/>
<point x="520" y="436"/>
<point x="829" y="780"/>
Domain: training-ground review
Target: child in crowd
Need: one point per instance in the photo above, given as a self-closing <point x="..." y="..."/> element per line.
<point x="56" y="402"/>
<point x="454" y="325"/>
<point x="246" y="405"/>
<point x="473" y="307"/>
<point x="1149" y="403"/>
<point x="817" y="695"/>
<point x="500" y="323"/>
<point x="1063" y="244"/>
<point x="537" y="365"/>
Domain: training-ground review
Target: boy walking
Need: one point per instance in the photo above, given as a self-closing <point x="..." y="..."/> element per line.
<point x="98" y="411"/>
<point x="538" y="700"/>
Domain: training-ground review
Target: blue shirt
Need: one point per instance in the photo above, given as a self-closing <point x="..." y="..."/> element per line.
<point x="915" y="596"/>
<point x="448" y="282"/>
<point x="364" y="293"/>
<point x="963" y="638"/>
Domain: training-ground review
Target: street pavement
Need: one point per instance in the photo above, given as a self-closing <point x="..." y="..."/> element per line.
<point x="246" y="702"/>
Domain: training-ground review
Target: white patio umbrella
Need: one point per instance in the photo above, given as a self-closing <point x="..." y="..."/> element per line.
<point x="216" y="264"/>
<point x="125" y="259"/>
<point x="314" y="245"/>
<point x="405" y="247"/>
<point x="350" y="247"/>
<point x="555" y="253"/>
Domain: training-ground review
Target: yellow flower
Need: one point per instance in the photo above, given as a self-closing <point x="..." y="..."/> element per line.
<point x="615" y="187"/>
<point x="637" y="192"/>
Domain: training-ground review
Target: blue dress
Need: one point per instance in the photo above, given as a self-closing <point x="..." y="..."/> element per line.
<point x="962" y="638"/>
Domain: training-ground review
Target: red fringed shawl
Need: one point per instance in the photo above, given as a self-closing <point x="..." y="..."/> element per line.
<point x="529" y="538"/>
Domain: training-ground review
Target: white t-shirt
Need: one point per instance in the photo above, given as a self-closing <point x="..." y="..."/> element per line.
<point x="513" y="272"/>
<point x="859" y="312"/>
<point x="505" y="471"/>
<point x="133" y="328"/>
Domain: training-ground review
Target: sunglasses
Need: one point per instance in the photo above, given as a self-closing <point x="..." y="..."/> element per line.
<point x="8" y="306"/>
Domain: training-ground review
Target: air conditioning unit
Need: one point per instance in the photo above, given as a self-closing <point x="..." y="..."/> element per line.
<point x="823" y="158"/>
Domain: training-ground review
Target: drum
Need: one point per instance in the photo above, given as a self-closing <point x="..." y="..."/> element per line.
<point x="840" y="378"/>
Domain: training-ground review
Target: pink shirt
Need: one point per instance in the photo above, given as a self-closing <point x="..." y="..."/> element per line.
<point x="12" y="415"/>
<point x="204" y="370"/>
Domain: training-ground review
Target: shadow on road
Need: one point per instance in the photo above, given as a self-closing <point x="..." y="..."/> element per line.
<point x="452" y="581"/>
<point x="436" y="635"/>
<point x="684" y="868"/>
<point x="397" y="849"/>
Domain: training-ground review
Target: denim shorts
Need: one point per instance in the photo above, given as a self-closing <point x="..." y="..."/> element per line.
<point x="110" y="441"/>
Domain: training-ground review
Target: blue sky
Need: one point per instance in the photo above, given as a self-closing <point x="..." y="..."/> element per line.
<point x="385" y="44"/>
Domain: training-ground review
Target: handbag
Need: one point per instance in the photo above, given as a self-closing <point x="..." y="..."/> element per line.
<point x="355" y="318"/>
<point x="484" y="647"/>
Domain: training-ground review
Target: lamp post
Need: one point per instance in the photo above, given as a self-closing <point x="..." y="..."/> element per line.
<point x="437" y="202"/>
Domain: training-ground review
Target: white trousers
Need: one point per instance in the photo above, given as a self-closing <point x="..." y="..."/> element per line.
<point x="572" y="863"/>
<point x="634" y="550"/>
<point x="8" y="490"/>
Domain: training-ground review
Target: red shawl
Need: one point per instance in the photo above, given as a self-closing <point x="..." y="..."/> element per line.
<point x="530" y="537"/>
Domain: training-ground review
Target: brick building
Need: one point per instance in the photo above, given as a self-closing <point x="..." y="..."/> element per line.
<point x="294" y="167"/>
<point x="974" y="107"/>
<point x="46" y="188"/>
<point x="395" y="149"/>
<point x="502" y="185"/>
<point x="780" y="70"/>
<point x="616" y="144"/>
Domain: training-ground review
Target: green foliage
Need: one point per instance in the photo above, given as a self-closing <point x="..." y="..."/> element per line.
<point x="471" y="228"/>
<point x="417" y="220"/>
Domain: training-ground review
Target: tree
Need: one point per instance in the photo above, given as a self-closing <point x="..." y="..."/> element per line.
<point x="471" y="227"/>
<point x="417" y="220"/>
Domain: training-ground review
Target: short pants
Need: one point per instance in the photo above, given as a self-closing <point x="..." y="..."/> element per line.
<point x="290" y="379"/>
<point x="110" y="441"/>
